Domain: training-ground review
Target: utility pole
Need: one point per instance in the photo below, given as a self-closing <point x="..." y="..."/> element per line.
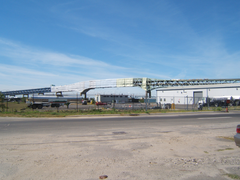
<point x="7" y="103"/>
<point x="207" y="99"/>
<point x="33" y="103"/>
<point x="146" y="99"/>
<point x="77" y="102"/>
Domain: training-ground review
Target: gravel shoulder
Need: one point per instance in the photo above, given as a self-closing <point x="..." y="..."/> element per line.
<point x="153" y="152"/>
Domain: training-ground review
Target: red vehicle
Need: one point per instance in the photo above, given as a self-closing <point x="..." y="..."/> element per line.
<point x="237" y="136"/>
<point x="100" y="103"/>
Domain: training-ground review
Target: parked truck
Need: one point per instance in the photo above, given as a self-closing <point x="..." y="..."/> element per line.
<point x="45" y="101"/>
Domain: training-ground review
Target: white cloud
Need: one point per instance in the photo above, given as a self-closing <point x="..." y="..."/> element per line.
<point x="31" y="55"/>
<point x="8" y="70"/>
<point x="33" y="67"/>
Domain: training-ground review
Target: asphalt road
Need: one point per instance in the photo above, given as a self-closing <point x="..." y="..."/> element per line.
<point x="94" y="124"/>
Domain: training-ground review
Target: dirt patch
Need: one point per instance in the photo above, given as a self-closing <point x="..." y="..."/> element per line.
<point x="141" y="153"/>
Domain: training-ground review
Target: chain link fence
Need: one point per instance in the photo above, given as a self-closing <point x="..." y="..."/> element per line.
<point x="194" y="103"/>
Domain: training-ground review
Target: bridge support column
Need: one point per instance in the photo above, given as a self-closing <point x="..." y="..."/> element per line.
<point x="148" y="94"/>
<point x="84" y="95"/>
<point x="84" y="92"/>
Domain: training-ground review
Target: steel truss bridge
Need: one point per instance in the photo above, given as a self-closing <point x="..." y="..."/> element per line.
<point x="147" y="84"/>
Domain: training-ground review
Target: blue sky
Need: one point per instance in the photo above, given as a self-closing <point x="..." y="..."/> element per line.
<point x="44" y="42"/>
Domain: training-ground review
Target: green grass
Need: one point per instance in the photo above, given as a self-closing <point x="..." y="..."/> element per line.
<point x="227" y="138"/>
<point x="20" y="110"/>
<point x="14" y="106"/>
<point x="225" y="149"/>
<point x="233" y="176"/>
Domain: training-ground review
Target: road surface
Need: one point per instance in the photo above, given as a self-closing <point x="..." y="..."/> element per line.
<point x="165" y="146"/>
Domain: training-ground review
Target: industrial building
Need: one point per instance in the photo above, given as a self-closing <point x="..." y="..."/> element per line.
<point x="173" y="91"/>
<point x="111" y="98"/>
<point x="194" y="94"/>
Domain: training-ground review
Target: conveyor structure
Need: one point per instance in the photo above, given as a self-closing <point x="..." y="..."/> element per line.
<point x="27" y="91"/>
<point x="147" y="84"/>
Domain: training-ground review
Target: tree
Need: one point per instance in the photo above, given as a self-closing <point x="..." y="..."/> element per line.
<point x="2" y="105"/>
<point x="24" y="99"/>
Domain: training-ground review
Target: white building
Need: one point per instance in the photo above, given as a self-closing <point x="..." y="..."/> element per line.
<point x="193" y="94"/>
